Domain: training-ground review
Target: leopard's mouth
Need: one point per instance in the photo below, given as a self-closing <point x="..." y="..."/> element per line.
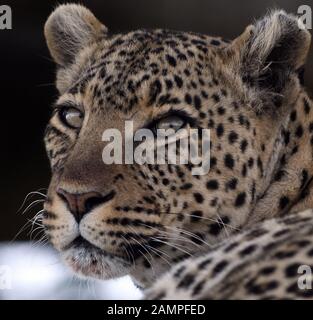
<point x="87" y="260"/>
<point x="81" y="242"/>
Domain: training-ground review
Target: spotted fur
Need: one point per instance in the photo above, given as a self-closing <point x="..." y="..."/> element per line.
<point x="264" y="262"/>
<point x="143" y="219"/>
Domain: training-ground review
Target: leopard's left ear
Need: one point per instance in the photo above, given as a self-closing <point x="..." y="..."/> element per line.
<point x="269" y="52"/>
<point x="69" y="29"/>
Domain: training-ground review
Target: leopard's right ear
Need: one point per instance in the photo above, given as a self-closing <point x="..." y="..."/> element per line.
<point x="69" y="29"/>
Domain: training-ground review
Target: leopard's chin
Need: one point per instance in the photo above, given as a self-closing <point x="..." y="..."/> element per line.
<point x="87" y="260"/>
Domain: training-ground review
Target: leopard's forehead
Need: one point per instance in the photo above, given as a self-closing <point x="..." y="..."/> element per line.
<point x="124" y="68"/>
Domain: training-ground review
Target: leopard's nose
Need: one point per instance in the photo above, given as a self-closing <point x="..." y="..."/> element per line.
<point x="81" y="204"/>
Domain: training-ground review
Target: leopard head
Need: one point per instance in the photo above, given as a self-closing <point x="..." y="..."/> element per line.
<point x="109" y="219"/>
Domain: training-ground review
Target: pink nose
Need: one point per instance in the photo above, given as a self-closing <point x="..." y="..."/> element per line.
<point x="79" y="204"/>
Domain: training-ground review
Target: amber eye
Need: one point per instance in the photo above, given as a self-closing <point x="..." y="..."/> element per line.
<point x="170" y="122"/>
<point x="71" y="117"/>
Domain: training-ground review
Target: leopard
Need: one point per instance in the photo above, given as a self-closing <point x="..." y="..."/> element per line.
<point x="160" y="224"/>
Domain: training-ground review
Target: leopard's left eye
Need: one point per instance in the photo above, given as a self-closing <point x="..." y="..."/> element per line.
<point x="170" y="122"/>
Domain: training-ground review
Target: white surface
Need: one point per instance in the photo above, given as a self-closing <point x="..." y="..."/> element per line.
<point x="28" y="271"/>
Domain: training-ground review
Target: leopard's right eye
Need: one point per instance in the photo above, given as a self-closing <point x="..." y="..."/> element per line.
<point x="71" y="117"/>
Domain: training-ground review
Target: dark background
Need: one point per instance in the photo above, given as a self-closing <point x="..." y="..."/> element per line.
<point x="27" y="76"/>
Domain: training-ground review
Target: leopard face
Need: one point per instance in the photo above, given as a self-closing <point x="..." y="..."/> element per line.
<point x="109" y="220"/>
